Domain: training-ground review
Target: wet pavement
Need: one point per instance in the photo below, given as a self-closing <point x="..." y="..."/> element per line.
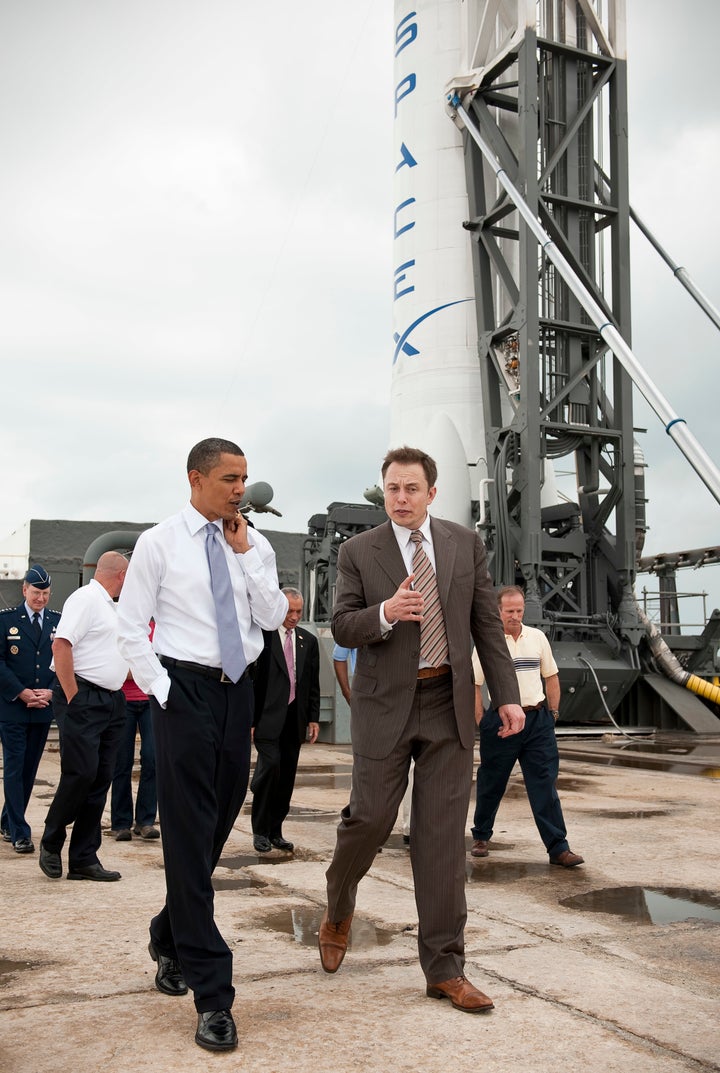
<point x="613" y="966"/>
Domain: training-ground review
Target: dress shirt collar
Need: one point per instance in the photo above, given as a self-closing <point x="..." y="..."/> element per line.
<point x="195" y="521"/>
<point x="402" y="533"/>
<point x="30" y="614"/>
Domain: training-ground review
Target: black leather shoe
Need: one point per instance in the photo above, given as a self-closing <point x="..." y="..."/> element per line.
<point x="93" y="871"/>
<point x="50" y="863"/>
<point x="5" y="834"/>
<point x="282" y="843"/>
<point x="261" y="844"/>
<point x="216" y="1031"/>
<point x="23" y="845"/>
<point x="168" y="978"/>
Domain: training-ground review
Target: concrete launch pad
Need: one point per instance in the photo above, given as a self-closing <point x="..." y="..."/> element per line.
<point x="584" y="973"/>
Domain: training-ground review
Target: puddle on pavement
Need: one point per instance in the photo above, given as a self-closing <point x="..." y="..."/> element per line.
<point x="675" y="752"/>
<point x="325" y="776"/>
<point x="638" y="814"/>
<point x="242" y="860"/>
<point x="515" y="791"/>
<point x="649" y="905"/>
<point x="396" y="841"/>
<point x="324" y="781"/>
<point x="483" y="870"/>
<point x="327" y="769"/>
<point x="303" y="925"/>
<point x="9" y="968"/>
<point x="566" y="783"/>
<point x="237" y="883"/>
<point x="313" y="815"/>
<point x="650" y="763"/>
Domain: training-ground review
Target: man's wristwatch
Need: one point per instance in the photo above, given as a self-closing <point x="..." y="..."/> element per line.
<point x="554" y="713"/>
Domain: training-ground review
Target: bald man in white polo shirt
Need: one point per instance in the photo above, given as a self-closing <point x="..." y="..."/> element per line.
<point x="89" y="707"/>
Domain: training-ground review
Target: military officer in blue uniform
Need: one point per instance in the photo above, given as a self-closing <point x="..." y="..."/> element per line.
<point x="26" y="683"/>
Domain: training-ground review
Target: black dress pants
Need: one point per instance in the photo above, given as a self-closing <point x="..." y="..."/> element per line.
<point x="90" y="728"/>
<point x="202" y="762"/>
<point x="274" y="776"/>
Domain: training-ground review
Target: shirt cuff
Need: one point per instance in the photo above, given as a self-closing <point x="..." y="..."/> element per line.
<point x="385" y="626"/>
<point x="160" y="689"/>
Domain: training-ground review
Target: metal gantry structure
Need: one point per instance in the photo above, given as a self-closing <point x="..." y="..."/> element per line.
<point x="552" y="103"/>
<point x="542" y="103"/>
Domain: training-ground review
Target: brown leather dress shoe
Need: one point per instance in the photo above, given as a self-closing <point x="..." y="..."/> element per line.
<point x="463" y="995"/>
<point x="147" y="831"/>
<point x="333" y="942"/>
<point x="567" y="859"/>
<point x="479" y="848"/>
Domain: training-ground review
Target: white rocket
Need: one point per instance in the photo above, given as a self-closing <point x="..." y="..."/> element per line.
<point x="436" y="397"/>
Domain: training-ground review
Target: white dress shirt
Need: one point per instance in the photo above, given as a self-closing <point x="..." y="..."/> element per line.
<point x="89" y="622"/>
<point x="30" y="614"/>
<point x="407" y="550"/>
<point x="169" y="580"/>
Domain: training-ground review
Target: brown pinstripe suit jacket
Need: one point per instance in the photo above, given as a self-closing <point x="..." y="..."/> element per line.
<point x="370" y="569"/>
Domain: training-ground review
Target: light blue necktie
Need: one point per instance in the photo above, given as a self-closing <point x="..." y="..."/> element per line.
<point x="232" y="654"/>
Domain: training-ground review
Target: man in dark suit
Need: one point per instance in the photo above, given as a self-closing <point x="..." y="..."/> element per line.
<point x="287" y="711"/>
<point x="26" y="711"/>
<point x="412" y="596"/>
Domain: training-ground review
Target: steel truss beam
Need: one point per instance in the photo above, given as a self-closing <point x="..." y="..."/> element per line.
<point x="542" y="107"/>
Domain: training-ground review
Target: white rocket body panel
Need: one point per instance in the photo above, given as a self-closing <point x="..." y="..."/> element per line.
<point x="436" y="395"/>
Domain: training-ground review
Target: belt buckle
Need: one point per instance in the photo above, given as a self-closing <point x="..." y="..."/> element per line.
<point x="224" y="678"/>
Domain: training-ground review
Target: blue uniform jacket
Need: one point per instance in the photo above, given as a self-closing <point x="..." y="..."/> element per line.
<point x="25" y="664"/>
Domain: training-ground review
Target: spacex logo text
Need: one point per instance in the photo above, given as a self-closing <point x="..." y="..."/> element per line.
<point x="405" y="218"/>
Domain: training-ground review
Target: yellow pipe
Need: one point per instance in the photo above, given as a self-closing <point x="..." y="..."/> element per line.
<point x="702" y="688"/>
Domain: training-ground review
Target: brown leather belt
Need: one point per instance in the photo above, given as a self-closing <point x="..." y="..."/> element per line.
<point x="534" y="707"/>
<point x="433" y="672"/>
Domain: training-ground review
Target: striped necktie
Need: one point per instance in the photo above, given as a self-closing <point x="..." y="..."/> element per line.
<point x="433" y="639"/>
<point x="232" y="654"/>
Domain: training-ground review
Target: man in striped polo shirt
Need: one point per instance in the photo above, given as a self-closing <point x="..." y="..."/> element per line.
<point x="535" y="747"/>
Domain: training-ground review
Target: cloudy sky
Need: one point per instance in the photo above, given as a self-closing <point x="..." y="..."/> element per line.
<point x="196" y="201"/>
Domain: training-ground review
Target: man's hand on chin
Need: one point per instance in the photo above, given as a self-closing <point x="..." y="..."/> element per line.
<point x="235" y="530"/>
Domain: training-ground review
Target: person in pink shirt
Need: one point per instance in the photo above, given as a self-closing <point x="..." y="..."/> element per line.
<point x="139" y="719"/>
